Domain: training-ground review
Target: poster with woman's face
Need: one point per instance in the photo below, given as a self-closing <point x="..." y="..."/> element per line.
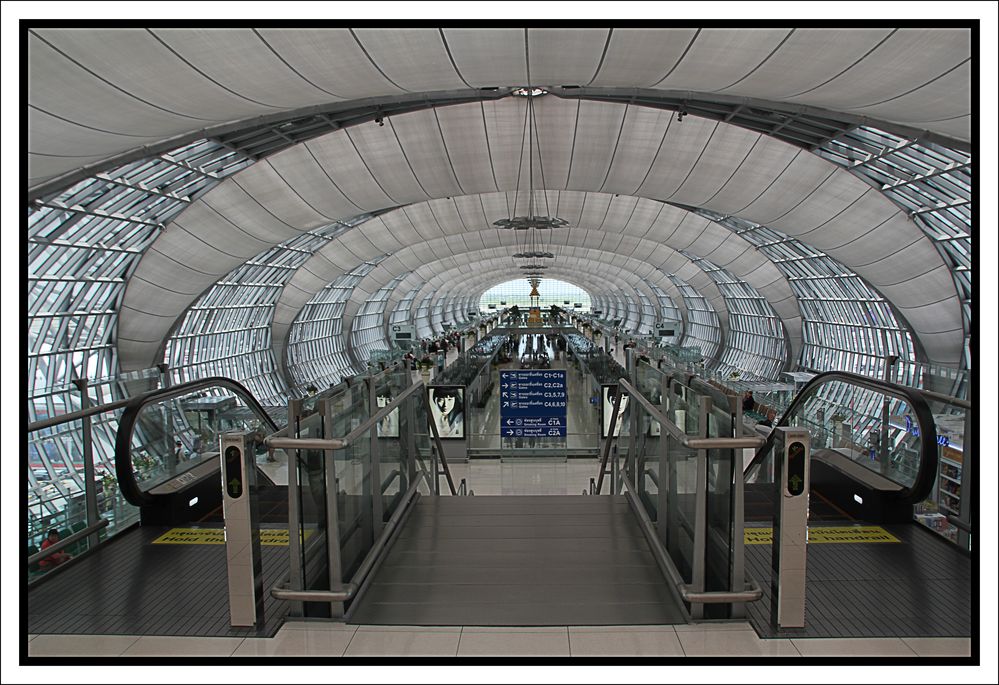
<point x="447" y="407"/>
<point x="388" y="426"/>
<point x="608" y="392"/>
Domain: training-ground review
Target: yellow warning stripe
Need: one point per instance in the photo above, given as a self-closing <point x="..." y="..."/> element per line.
<point x="818" y="535"/>
<point x="216" y="536"/>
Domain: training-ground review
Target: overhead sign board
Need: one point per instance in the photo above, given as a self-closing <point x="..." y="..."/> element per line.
<point x="533" y="404"/>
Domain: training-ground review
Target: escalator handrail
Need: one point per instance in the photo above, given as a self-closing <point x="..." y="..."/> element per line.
<point x="124" y="470"/>
<point x="925" y="476"/>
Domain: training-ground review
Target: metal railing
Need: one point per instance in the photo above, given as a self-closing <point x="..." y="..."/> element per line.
<point x="740" y="587"/>
<point x="339" y="592"/>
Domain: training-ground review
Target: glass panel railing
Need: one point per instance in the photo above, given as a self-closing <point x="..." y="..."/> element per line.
<point x="354" y="503"/>
<point x="310" y="501"/>
<point x="723" y="524"/>
<point x="687" y="476"/>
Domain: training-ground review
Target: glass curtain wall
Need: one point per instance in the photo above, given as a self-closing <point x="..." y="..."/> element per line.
<point x="83" y="243"/>
<point x="669" y="313"/>
<point x="227" y="331"/>
<point x="930" y="182"/>
<point x="369" y="324"/>
<point x="317" y="351"/>
<point x="703" y="327"/>
<point x="756" y="347"/>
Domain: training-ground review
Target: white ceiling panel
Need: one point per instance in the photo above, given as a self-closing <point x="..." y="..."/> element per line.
<point x="64" y="89"/>
<point x="726" y="151"/>
<point x="489" y="58"/>
<point x="908" y="60"/>
<point x="415" y="59"/>
<point x="380" y="150"/>
<point x="780" y="194"/>
<point x="597" y="132"/>
<point x="267" y="188"/>
<point x="234" y="233"/>
<point x="343" y="166"/>
<point x="642" y="56"/>
<point x="421" y="141"/>
<point x="331" y="59"/>
<point x="234" y="221"/>
<point x="835" y="197"/>
<point x="744" y="186"/>
<point x="807" y="59"/>
<point x="300" y="170"/>
<point x="644" y="131"/>
<point x="949" y="99"/>
<point x="565" y="56"/>
<point x="683" y="144"/>
<point x="720" y="57"/>
<point x="464" y="135"/>
<point x="238" y="62"/>
<point x="506" y="129"/>
<point x="131" y="83"/>
<point x="556" y="131"/>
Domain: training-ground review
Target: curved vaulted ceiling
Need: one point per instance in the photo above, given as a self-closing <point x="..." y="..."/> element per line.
<point x="613" y="159"/>
<point x="472" y="149"/>
<point x="98" y="93"/>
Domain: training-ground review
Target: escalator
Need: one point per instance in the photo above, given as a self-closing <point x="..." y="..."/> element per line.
<point x="872" y="570"/>
<point x="166" y="452"/>
<point x="863" y="468"/>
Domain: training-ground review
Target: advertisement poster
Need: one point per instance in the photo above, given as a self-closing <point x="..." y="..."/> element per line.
<point x="608" y="393"/>
<point x="388" y="426"/>
<point x="447" y="407"/>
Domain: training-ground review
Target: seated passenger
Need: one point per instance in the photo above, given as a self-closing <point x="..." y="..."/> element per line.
<point x="56" y="558"/>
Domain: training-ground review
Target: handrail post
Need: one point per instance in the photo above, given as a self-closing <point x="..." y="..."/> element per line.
<point x="699" y="560"/>
<point x="738" y="513"/>
<point x="295" y="537"/>
<point x="374" y="456"/>
<point x="334" y="563"/>
<point x="89" y="472"/>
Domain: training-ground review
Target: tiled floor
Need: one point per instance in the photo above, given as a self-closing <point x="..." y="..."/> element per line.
<point x="300" y="639"/>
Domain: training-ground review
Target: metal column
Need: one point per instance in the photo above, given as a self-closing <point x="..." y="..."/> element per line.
<point x="790" y="528"/>
<point x="89" y="472"/>
<point x="242" y="530"/>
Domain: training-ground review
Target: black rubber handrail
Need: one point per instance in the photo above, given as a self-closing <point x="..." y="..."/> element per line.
<point x="124" y="471"/>
<point x="928" y="450"/>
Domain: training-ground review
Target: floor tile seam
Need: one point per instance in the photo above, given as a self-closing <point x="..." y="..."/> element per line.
<point x="349" y="642"/>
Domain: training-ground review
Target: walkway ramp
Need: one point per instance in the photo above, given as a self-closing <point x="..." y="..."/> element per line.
<point x="519" y="560"/>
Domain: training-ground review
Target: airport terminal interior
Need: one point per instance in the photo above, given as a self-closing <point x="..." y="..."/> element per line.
<point x="500" y="341"/>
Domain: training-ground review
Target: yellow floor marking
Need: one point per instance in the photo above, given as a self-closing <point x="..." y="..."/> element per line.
<point x="215" y="536"/>
<point x="827" y="534"/>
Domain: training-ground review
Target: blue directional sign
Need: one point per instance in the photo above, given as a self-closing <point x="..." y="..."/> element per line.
<point x="533" y="404"/>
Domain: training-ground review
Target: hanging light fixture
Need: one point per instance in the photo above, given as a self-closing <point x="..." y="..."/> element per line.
<point x="533" y="219"/>
<point x="535" y="254"/>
